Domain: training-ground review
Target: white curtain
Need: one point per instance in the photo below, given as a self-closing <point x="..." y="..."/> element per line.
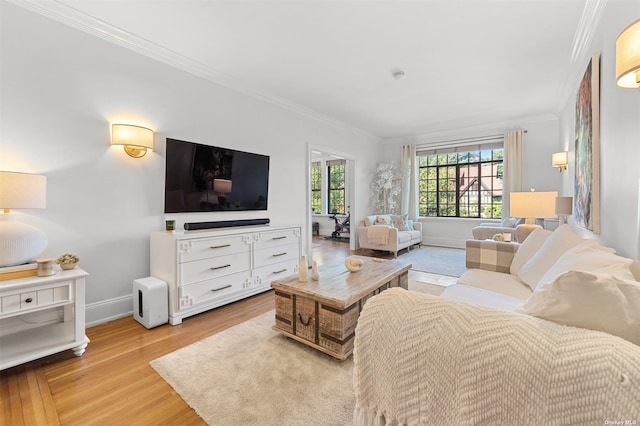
<point x="409" y="170"/>
<point x="513" y="155"/>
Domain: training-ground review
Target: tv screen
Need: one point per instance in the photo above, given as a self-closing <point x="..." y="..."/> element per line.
<point x="204" y="178"/>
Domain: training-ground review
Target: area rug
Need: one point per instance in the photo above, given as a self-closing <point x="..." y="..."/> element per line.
<point x="436" y="260"/>
<point x="251" y="375"/>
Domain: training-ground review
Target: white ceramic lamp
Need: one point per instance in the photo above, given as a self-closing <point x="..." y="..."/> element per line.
<point x="532" y="205"/>
<point x="19" y="242"/>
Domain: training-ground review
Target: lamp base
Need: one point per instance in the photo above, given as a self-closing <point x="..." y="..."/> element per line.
<point x="20" y="243"/>
<point x="523" y="231"/>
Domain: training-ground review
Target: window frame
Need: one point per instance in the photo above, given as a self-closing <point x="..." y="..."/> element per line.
<point x="454" y="192"/>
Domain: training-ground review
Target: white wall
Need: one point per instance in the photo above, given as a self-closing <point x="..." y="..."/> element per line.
<point x="62" y="88"/>
<point x="619" y="136"/>
<point x="540" y="141"/>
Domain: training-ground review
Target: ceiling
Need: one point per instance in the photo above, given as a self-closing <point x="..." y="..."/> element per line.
<point x="467" y="63"/>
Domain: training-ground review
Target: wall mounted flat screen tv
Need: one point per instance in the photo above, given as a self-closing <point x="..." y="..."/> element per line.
<point x="204" y="178"/>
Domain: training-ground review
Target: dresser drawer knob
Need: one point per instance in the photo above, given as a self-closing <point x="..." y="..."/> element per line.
<point x="222" y="246"/>
<point x="280" y="271"/>
<point x="279" y="254"/>
<point x="221" y="288"/>
<point x="213" y="268"/>
<point x="28" y="300"/>
<point x="279" y="238"/>
<point x="302" y="321"/>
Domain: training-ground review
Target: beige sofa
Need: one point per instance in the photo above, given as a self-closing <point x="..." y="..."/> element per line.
<point x="388" y="232"/>
<point x="553" y="339"/>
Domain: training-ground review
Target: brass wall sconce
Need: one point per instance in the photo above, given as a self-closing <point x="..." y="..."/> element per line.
<point x="136" y="140"/>
<point x="628" y="57"/>
<point x="560" y="160"/>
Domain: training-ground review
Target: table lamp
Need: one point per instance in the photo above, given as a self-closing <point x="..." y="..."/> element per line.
<point x="564" y="208"/>
<point x="19" y="242"/>
<point x="531" y="206"/>
<point x="222" y="187"/>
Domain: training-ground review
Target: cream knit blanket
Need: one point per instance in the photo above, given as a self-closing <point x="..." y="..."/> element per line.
<point x="378" y="234"/>
<point x="426" y="360"/>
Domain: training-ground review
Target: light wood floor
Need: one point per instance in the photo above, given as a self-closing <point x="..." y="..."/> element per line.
<point x="112" y="383"/>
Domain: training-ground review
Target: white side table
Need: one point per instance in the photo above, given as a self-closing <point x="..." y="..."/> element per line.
<point x="59" y="300"/>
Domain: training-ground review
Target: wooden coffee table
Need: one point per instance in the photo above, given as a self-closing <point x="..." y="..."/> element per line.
<point x="323" y="314"/>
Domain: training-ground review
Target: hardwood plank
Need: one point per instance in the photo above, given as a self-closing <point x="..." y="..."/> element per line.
<point x="113" y="383"/>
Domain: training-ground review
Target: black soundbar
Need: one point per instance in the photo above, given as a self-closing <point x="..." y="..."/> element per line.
<point x="194" y="226"/>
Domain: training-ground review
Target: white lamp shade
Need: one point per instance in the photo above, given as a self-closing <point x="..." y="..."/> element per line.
<point x="559" y="159"/>
<point x="222" y="186"/>
<point x="533" y="204"/>
<point x="136" y="140"/>
<point x="628" y="56"/>
<point x="22" y="191"/>
<point x="564" y="206"/>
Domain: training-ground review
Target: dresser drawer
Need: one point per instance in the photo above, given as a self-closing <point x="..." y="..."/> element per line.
<point x="214" y="267"/>
<point x="215" y="288"/>
<point x="271" y="255"/>
<point x="278" y="271"/>
<point x="203" y="248"/>
<point x="36" y="298"/>
<point x="278" y="238"/>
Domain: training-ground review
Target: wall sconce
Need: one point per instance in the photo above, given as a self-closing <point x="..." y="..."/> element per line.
<point x="135" y="139"/>
<point x="560" y="160"/>
<point x="628" y="57"/>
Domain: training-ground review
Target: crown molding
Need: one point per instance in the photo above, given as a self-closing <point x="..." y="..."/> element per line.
<point x="588" y="25"/>
<point x="74" y="18"/>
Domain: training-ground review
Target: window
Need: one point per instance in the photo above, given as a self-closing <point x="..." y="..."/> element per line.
<point x="316" y="187"/>
<point x="336" y="180"/>
<point x="457" y="183"/>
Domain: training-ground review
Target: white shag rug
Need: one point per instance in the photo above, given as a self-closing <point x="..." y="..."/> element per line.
<point x="252" y="375"/>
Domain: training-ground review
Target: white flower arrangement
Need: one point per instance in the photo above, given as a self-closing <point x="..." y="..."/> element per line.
<point x="385" y="188"/>
<point x="68" y="258"/>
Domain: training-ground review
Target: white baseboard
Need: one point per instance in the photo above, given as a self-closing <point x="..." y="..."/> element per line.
<point x="108" y="310"/>
<point x="443" y="242"/>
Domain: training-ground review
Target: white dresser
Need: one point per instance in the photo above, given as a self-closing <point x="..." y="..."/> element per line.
<point x="40" y="316"/>
<point x="207" y="269"/>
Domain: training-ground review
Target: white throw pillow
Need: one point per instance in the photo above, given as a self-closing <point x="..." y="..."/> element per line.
<point x="370" y="220"/>
<point x="400" y="222"/>
<point x="560" y="240"/>
<point x="384" y="219"/>
<point x="593" y="300"/>
<point x="528" y="249"/>
<point x="589" y="258"/>
<point x="508" y="222"/>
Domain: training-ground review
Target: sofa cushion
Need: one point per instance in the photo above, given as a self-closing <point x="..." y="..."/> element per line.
<point x="383" y="219"/>
<point x="560" y="240"/>
<point x="370" y="220"/>
<point x="481" y="297"/>
<point x="529" y="247"/>
<point x="404" y="237"/>
<point x="401" y="222"/>
<point x="509" y="222"/>
<point x="593" y="300"/>
<point x="506" y="284"/>
<point x="589" y="258"/>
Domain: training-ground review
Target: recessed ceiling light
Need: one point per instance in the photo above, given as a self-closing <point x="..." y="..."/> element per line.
<point x="398" y="74"/>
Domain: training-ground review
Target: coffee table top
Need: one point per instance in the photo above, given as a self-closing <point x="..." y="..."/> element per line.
<point x="340" y="288"/>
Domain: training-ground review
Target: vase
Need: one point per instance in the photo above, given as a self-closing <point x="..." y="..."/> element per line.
<point x="303" y="270"/>
<point x="68" y="265"/>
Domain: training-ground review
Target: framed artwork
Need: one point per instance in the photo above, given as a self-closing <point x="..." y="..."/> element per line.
<point x="587" y="148"/>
